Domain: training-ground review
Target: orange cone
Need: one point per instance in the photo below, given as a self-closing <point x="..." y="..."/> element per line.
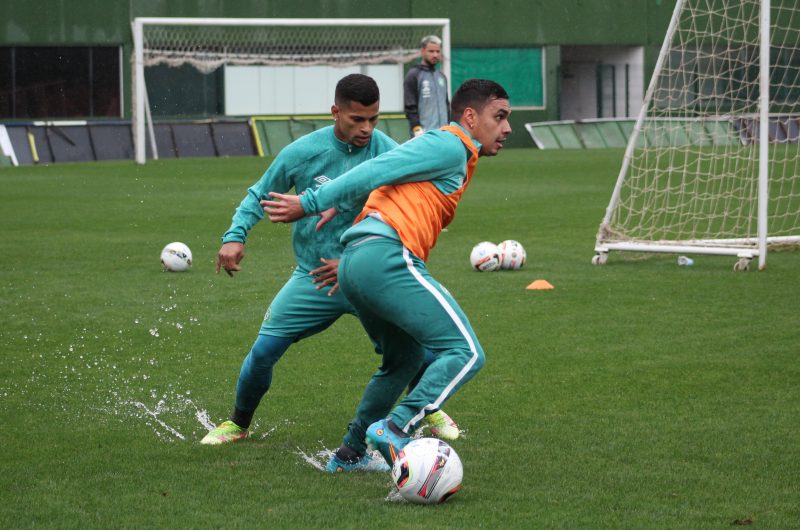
<point x="539" y="285"/>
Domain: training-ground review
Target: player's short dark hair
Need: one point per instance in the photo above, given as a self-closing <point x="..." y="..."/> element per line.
<point x="357" y="87"/>
<point x="476" y="94"/>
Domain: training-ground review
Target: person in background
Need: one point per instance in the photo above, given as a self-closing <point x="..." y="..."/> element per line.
<point x="427" y="105"/>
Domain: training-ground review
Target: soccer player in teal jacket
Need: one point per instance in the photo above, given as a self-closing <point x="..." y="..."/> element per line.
<point x="413" y="193"/>
<point x="309" y="302"/>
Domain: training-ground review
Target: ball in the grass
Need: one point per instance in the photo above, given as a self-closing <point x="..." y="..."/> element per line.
<point x="176" y="257"/>
<point x="512" y="255"/>
<point x="427" y="471"/>
<point x="485" y="257"/>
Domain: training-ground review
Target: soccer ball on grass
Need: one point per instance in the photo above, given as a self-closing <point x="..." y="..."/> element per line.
<point x="427" y="471"/>
<point x="512" y="255"/>
<point x="176" y="257"/>
<point x="485" y="257"/>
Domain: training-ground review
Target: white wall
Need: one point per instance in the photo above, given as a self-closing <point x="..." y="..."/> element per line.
<point x="578" y="84"/>
<point x="279" y="90"/>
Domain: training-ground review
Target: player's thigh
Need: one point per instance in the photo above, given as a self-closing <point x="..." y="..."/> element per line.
<point x="431" y="314"/>
<point x="400" y="350"/>
<point x="387" y="280"/>
<point x="300" y="309"/>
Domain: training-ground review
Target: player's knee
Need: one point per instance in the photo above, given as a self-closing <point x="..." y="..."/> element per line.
<point x="480" y="358"/>
<point x="471" y="356"/>
<point x="268" y="349"/>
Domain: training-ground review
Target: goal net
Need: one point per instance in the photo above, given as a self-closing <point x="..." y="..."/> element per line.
<point x="210" y="43"/>
<point x="713" y="163"/>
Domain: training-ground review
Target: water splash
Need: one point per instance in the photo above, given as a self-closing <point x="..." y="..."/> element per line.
<point x="317" y="460"/>
<point x="320" y="459"/>
<point x="202" y="417"/>
<point x="394" y="495"/>
<point x="154" y="414"/>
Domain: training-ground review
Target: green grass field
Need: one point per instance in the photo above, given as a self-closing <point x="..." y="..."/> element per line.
<point x="635" y="395"/>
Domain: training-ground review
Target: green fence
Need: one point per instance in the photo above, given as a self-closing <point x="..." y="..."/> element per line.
<point x="600" y="133"/>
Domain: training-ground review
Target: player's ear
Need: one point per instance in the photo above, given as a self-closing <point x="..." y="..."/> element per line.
<point x="335" y="112"/>
<point x="469" y="118"/>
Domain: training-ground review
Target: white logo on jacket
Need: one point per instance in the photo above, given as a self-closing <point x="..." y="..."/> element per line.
<point x="320" y="180"/>
<point x="426" y="89"/>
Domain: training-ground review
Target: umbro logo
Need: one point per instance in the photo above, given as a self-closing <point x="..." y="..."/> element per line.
<point x="320" y="180"/>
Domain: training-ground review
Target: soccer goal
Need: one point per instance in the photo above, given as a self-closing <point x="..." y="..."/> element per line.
<point x="713" y="163"/>
<point x="211" y="43"/>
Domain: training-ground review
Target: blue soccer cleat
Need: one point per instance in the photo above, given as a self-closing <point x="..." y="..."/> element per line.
<point x="381" y="438"/>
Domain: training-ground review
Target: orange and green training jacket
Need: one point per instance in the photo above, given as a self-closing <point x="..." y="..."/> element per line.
<point x="413" y="190"/>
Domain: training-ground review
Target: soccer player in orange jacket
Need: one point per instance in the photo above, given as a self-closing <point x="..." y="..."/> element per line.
<point x="413" y="192"/>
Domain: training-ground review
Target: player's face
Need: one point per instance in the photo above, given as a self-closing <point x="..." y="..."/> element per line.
<point x="432" y="54"/>
<point x="354" y="122"/>
<point x="491" y="127"/>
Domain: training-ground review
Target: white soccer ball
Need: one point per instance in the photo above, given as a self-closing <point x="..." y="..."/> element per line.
<point x="512" y="255"/>
<point x="427" y="471"/>
<point x="485" y="257"/>
<point x="176" y="257"/>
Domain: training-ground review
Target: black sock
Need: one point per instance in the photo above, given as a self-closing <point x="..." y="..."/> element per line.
<point x="395" y="429"/>
<point x="347" y="454"/>
<point x="241" y="418"/>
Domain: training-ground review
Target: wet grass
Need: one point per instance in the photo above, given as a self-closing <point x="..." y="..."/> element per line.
<point x="636" y="395"/>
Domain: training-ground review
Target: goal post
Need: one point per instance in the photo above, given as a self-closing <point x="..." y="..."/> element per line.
<point x="713" y="163"/>
<point x="210" y="43"/>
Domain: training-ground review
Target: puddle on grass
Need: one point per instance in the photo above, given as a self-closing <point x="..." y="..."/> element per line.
<point x="109" y="375"/>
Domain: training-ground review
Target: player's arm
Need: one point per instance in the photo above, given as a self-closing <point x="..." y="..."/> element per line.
<point x="283" y="208"/>
<point x="229" y="256"/>
<point x="249" y="212"/>
<point x="411" y="100"/>
<point x="425" y="158"/>
<point x="447" y="102"/>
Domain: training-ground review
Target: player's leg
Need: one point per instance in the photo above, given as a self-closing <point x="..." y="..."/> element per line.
<point x="362" y="274"/>
<point x="401" y="359"/>
<point x="447" y="333"/>
<point x="438" y="422"/>
<point x="255" y="376"/>
<point x="401" y="291"/>
<point x="297" y="311"/>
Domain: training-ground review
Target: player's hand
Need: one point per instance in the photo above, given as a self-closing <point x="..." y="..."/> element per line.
<point x="229" y="256"/>
<point x="326" y="216"/>
<point x="327" y="274"/>
<point x="286" y="209"/>
<point x="418" y="130"/>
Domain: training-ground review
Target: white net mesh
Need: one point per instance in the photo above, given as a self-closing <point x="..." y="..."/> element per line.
<point x="693" y="176"/>
<point x="207" y="47"/>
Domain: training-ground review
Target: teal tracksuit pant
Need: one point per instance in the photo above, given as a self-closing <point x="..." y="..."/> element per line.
<point x="405" y="311"/>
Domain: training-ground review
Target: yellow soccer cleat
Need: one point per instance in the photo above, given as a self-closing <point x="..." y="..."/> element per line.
<point x="442" y="426"/>
<point x="225" y="432"/>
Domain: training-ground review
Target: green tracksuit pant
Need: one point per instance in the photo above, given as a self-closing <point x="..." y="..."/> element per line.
<point x="405" y="311"/>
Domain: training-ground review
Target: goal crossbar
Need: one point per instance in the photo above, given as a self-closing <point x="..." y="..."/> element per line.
<point x="215" y="42"/>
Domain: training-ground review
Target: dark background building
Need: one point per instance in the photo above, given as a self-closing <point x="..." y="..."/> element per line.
<point x="574" y="59"/>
